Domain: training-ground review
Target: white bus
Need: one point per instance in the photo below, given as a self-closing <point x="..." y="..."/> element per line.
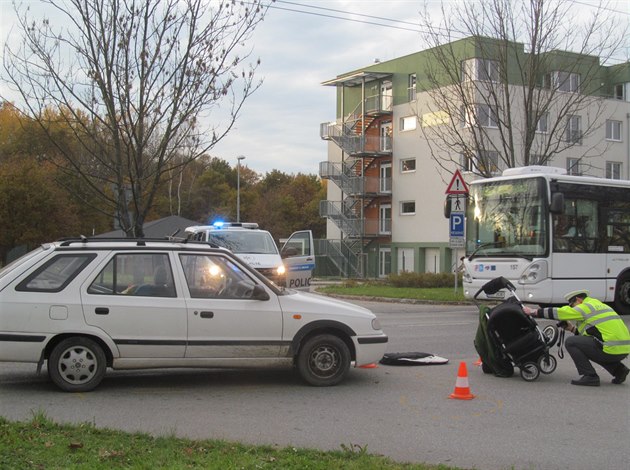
<point x="550" y="233"/>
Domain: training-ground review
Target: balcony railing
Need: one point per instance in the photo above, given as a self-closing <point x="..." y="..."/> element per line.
<point x="355" y="144"/>
<point x="352" y="226"/>
<point x="345" y="177"/>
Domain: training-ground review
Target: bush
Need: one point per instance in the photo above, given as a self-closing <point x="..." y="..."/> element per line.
<point x="408" y="279"/>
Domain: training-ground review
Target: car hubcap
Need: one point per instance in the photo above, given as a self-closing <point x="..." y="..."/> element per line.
<point x="324" y="360"/>
<point x="77" y="365"/>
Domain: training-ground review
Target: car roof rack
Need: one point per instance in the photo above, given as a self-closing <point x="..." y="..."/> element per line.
<point x="139" y="241"/>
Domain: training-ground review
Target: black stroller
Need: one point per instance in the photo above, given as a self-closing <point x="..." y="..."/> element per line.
<point x="506" y="337"/>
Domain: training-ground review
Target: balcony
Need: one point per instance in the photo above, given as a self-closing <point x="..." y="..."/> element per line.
<point x="356" y="145"/>
<point x="345" y="177"/>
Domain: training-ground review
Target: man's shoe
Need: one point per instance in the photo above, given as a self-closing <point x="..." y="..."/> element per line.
<point x="588" y="380"/>
<point x="621" y="376"/>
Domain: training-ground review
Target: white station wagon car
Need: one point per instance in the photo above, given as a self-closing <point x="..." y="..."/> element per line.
<point x="86" y="304"/>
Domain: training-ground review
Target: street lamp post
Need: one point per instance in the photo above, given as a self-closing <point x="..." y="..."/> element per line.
<point x="238" y="187"/>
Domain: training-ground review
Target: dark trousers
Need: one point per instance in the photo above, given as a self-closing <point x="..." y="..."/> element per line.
<point x="584" y="349"/>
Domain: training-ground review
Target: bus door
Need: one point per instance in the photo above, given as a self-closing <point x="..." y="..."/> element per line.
<point x="577" y="260"/>
<point x="298" y="254"/>
<point x="618" y="244"/>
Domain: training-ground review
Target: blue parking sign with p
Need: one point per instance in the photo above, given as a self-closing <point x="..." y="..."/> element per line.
<point x="457" y="224"/>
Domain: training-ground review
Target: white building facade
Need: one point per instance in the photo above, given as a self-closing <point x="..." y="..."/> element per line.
<point x="389" y="164"/>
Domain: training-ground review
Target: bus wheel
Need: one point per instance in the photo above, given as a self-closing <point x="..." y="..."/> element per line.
<point x="622" y="296"/>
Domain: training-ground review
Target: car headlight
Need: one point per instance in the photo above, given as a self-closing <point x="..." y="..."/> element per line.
<point x="281" y="270"/>
<point x="376" y="324"/>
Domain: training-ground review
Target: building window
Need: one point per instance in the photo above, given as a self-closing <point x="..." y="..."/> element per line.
<point x="563" y="81"/>
<point x="488" y="161"/>
<point x="408" y="165"/>
<point x="485" y="162"/>
<point x="613" y="170"/>
<point x="384" y="261"/>
<point x="573" y="167"/>
<point x="408" y="123"/>
<point x="385" y="219"/>
<point x="483" y="115"/>
<point x="542" y="125"/>
<point x="465" y="162"/>
<point x="480" y="69"/>
<point x="407" y="207"/>
<point x="486" y="116"/>
<point x="573" y="130"/>
<point x="411" y="87"/>
<point x="385" y="179"/>
<point x="618" y="92"/>
<point x="613" y="130"/>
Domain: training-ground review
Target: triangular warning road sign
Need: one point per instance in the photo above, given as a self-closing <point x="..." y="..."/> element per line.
<point x="457" y="184"/>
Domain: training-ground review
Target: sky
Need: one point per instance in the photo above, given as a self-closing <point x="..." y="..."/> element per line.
<point x="279" y="128"/>
<point x="302" y="44"/>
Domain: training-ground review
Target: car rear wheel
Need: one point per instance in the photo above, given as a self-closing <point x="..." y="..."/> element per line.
<point x="323" y="360"/>
<point x="77" y="364"/>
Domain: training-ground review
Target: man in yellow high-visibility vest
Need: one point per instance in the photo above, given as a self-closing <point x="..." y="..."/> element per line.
<point x="601" y="336"/>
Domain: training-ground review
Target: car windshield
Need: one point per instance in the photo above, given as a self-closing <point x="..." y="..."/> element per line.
<point x="245" y="241"/>
<point x="507" y="218"/>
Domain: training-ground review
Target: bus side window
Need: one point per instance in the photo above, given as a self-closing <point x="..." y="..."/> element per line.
<point x="618" y="228"/>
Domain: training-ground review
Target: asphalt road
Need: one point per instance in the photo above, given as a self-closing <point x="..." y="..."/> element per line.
<point x="402" y="412"/>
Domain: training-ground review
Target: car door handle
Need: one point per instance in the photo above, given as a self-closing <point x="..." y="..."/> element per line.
<point x="207" y="314"/>
<point x="101" y="311"/>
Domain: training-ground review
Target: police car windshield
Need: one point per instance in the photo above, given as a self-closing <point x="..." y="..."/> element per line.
<point x="244" y="241"/>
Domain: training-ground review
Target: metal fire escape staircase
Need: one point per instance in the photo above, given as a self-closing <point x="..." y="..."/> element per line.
<point x="358" y="190"/>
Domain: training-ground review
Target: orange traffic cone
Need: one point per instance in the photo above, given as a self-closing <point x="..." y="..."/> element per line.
<point x="369" y="366"/>
<point x="462" y="390"/>
<point x="478" y="363"/>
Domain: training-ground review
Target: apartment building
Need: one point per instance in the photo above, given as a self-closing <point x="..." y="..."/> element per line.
<point x="388" y="169"/>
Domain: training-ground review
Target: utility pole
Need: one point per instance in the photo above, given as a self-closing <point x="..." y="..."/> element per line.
<point x="238" y="187"/>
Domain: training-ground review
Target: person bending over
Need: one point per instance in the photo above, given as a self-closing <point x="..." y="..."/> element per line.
<point x="601" y="336"/>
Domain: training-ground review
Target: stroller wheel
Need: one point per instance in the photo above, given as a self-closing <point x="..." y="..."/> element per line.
<point x="530" y="371"/>
<point x="550" y="332"/>
<point x="547" y="363"/>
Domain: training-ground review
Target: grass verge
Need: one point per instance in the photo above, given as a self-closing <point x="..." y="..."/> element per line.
<point x="435" y="294"/>
<point x="43" y="444"/>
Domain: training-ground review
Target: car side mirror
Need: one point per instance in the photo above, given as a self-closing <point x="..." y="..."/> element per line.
<point x="259" y="293"/>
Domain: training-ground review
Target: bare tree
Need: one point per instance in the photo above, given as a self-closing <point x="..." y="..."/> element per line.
<point x="532" y="91"/>
<point x="143" y="86"/>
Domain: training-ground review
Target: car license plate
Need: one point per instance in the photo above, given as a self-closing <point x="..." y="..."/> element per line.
<point x="496" y="295"/>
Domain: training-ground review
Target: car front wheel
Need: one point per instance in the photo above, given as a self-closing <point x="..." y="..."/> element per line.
<point x="77" y="364"/>
<point x="323" y="360"/>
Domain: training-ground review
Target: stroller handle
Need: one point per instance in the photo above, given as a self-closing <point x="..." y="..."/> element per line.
<point x="495" y="285"/>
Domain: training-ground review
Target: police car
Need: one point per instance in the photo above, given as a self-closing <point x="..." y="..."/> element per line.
<point x="83" y="305"/>
<point x="291" y="267"/>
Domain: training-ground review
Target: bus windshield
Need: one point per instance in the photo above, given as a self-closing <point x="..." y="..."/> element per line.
<point x="507" y="218"/>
